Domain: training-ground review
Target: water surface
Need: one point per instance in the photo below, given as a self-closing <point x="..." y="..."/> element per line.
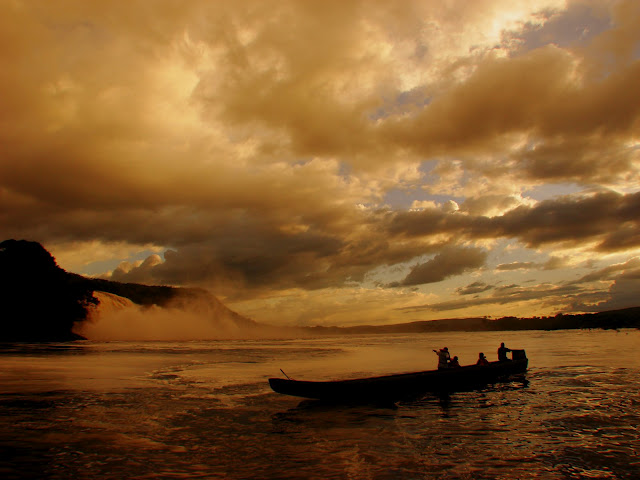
<point x="182" y="410"/>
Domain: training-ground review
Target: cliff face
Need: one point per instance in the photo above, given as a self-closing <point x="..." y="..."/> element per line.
<point x="41" y="302"/>
<point x="38" y="299"/>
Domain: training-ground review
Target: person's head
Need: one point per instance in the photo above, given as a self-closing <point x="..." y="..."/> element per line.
<point x="502" y="344"/>
<point x="445" y="349"/>
<point x="481" y="355"/>
<point x="455" y="358"/>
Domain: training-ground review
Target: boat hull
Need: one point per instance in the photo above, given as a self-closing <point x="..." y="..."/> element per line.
<point x="394" y="387"/>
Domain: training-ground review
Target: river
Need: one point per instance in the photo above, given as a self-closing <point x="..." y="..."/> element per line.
<point x="204" y="410"/>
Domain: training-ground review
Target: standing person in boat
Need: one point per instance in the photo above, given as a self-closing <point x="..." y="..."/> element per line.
<point x="482" y="360"/>
<point x="454" y="363"/>
<point x="502" y="353"/>
<point x="443" y="358"/>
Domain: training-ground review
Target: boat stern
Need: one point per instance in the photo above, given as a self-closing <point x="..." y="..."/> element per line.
<point x="518" y="355"/>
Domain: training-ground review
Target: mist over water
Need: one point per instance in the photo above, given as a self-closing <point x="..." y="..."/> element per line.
<point x="203" y="409"/>
<point x="117" y="318"/>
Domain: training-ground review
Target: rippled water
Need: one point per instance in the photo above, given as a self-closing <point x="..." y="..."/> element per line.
<point x="204" y="410"/>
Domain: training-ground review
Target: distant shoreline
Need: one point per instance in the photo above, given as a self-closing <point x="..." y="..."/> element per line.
<point x="606" y="320"/>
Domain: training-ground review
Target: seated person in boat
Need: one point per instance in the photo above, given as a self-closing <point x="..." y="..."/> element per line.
<point x="502" y="353"/>
<point x="482" y="360"/>
<point x="454" y="363"/>
<point x="443" y="358"/>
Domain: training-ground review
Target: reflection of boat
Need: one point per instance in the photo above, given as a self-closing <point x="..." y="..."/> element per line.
<point x="395" y="387"/>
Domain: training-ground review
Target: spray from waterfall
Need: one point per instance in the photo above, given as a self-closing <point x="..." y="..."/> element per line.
<point x="117" y="318"/>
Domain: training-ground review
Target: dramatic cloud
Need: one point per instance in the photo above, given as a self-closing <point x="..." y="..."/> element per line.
<point x="628" y="268"/>
<point x="474" y="288"/>
<point x="575" y="220"/>
<point x="451" y="261"/>
<point x="283" y="153"/>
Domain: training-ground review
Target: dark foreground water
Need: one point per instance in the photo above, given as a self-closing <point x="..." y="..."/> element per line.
<point x="204" y="410"/>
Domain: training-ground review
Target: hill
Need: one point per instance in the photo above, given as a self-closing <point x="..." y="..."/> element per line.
<point x="612" y="319"/>
<point x="39" y="300"/>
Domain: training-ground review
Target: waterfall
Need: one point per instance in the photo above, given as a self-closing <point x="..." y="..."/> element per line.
<point x="118" y="318"/>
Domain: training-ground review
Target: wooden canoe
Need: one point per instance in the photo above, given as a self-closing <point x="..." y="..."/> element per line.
<point x="404" y="385"/>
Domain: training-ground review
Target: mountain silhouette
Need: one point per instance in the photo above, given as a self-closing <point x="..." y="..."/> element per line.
<point x="39" y="300"/>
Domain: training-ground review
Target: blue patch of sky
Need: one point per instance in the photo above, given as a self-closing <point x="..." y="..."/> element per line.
<point x="98" y="268"/>
<point x="576" y="26"/>
<point x="301" y="162"/>
<point x="398" y="104"/>
<point x="428" y="166"/>
<point x="344" y="170"/>
<point x="403" y="198"/>
<point x="552" y="190"/>
<point x="510" y="251"/>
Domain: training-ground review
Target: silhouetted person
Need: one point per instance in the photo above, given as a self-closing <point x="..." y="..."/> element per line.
<point x="502" y="353"/>
<point x="454" y="363"/>
<point x="443" y="358"/>
<point x="482" y="360"/>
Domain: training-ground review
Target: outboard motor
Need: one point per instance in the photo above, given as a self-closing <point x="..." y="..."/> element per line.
<point x="518" y="354"/>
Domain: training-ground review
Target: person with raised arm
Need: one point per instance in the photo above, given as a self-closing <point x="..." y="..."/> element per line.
<point x="443" y="358"/>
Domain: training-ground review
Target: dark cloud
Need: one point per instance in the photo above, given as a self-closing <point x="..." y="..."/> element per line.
<point x="474" y="288"/>
<point x="451" y="261"/>
<point x="610" y="271"/>
<point x="571" y="220"/>
<point x="587" y="159"/>
<point x="553" y="263"/>
<point x="623" y="292"/>
<point x="574" y="220"/>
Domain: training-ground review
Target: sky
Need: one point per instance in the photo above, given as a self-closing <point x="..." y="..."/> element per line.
<point x="335" y="162"/>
